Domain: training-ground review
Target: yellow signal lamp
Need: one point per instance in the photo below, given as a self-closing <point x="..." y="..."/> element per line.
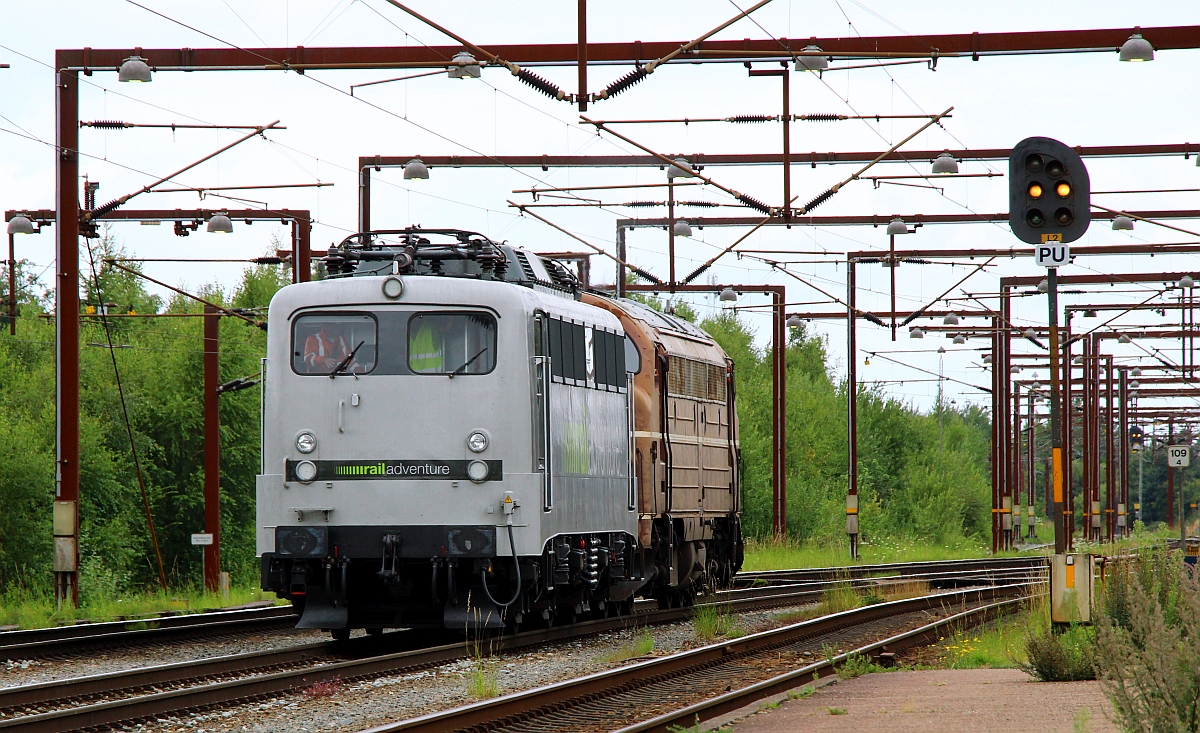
<point x="1063" y="189"/>
<point x="1035" y="190"/>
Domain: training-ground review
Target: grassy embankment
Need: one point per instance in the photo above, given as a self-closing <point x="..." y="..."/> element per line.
<point x="30" y="610"/>
<point x="785" y="555"/>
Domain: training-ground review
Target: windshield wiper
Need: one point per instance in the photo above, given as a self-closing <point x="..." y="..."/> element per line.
<point x="346" y="362"/>
<point x="468" y="363"/>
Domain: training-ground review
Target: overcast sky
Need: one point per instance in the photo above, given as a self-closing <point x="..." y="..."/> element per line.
<point x="1081" y="99"/>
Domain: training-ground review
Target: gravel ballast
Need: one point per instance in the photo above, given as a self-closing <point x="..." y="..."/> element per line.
<point x="354" y="706"/>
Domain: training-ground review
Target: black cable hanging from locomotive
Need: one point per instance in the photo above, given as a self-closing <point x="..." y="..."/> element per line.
<point x="516" y="563"/>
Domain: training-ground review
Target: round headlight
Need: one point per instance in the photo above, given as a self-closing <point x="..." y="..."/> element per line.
<point x="306" y="442"/>
<point x="477" y="441"/>
<point x="393" y="287"/>
<point x="306" y="471"/>
<point x="477" y="471"/>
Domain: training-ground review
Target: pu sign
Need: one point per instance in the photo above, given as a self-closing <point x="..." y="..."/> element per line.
<point x="1052" y="254"/>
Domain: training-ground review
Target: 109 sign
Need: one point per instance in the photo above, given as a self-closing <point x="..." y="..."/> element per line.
<point x="1049" y="192"/>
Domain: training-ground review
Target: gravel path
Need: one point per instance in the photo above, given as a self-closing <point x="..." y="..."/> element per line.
<point x="954" y="701"/>
<point x="31" y="671"/>
<point x="359" y="705"/>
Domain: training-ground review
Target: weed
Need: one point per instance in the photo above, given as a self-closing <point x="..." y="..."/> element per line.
<point x="1061" y="657"/>
<point x="1081" y="720"/>
<point x="1148" y="641"/>
<point x="325" y="688"/>
<point x="997" y="645"/>
<point x="481" y="681"/>
<point x="839" y="597"/>
<point x="801" y="693"/>
<point x="695" y="728"/>
<point x="642" y="646"/>
<point x="30" y="609"/>
<point x="898" y="590"/>
<point x="836" y="711"/>
<point x="712" y="622"/>
<point x="871" y="598"/>
<point x="856" y="665"/>
<point x="769" y="705"/>
<point x="784" y="555"/>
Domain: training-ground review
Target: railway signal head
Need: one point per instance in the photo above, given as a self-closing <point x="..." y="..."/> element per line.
<point x="1049" y="194"/>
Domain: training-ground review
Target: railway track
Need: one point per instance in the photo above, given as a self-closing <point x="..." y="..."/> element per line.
<point x="895" y="570"/>
<point x="65" y="642"/>
<point x="71" y="641"/>
<point x="118" y="698"/>
<point x="705" y="682"/>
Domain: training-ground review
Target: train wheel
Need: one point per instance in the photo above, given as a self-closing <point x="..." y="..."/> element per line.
<point x="340" y="634"/>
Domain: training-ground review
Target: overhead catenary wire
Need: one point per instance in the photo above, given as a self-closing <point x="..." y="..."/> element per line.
<point x="333" y="88"/>
<point x="917" y="313"/>
<point x="137" y="464"/>
<point x="755" y="119"/>
<point x="828" y="194"/>
<point x="640" y="73"/>
<point x="205" y="189"/>
<point x="857" y="311"/>
<point x="118" y="202"/>
<point x="119" y="125"/>
<point x="926" y="371"/>
<point x="1142" y="218"/>
<point x="747" y="200"/>
<point x="228" y="311"/>
<point x="634" y="268"/>
<point x="528" y="77"/>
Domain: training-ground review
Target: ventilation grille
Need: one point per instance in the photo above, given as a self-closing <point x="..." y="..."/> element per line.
<point x="696" y="379"/>
<point x="525" y="266"/>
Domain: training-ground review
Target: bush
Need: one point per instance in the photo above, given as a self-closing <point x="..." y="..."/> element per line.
<point x="1061" y="657"/>
<point x="1148" y="643"/>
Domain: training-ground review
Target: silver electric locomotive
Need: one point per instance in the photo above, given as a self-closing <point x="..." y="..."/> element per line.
<point x="456" y="435"/>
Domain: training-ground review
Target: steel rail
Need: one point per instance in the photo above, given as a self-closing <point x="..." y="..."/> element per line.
<point x="246" y="688"/>
<point x="902" y="568"/>
<point x="934" y="580"/>
<point x="738" y="699"/>
<point x="35" y="643"/>
<point x="260" y="673"/>
<point x="525" y="707"/>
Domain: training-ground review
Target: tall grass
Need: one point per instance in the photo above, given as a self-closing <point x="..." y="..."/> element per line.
<point x="1148" y="642"/>
<point x="773" y="555"/>
<point x="844" y="595"/>
<point x="713" y="622"/>
<point x="30" y="609"/>
<point x="641" y="647"/>
<point x="997" y="645"/>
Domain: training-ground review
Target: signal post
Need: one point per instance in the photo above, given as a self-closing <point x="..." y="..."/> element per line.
<point x="1049" y="207"/>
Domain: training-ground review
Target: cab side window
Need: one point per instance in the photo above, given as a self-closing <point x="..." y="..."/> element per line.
<point x="321" y="342"/>
<point x="451" y="343"/>
<point x="586" y="356"/>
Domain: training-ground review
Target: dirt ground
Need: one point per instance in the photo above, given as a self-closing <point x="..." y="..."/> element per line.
<point x="957" y="701"/>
